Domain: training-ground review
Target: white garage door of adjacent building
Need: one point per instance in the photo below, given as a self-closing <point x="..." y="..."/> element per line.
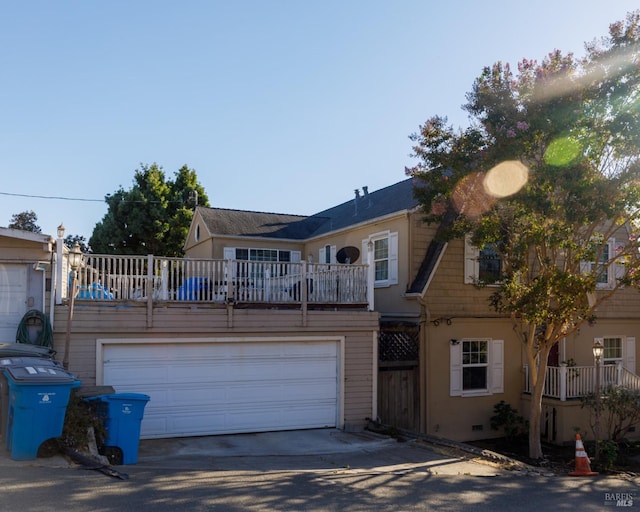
<point x="13" y="299"/>
<point x="205" y="388"/>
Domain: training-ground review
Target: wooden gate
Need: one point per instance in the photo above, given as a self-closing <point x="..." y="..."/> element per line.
<point x="398" y="375"/>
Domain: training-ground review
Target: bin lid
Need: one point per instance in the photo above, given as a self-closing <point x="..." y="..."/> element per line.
<point x="28" y="361"/>
<point x="24" y="349"/>
<point x="124" y="397"/>
<point x="38" y="374"/>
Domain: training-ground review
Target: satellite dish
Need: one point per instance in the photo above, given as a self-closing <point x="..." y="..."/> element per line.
<point x="349" y="254"/>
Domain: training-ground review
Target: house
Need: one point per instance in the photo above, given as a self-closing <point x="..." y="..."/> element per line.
<point x="275" y="321"/>
<point x="444" y="357"/>
<point x="25" y="269"/>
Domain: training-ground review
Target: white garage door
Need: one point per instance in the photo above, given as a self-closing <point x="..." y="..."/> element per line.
<point x="13" y="299"/>
<point x="227" y="387"/>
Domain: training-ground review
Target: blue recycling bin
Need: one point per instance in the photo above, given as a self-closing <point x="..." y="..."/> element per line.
<point x="122" y="414"/>
<point x="39" y="391"/>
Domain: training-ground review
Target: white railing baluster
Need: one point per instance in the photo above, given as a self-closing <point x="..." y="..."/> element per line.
<point x="108" y="277"/>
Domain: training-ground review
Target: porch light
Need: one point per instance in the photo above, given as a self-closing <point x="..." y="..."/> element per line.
<point x="598" y="350"/>
<point x="61" y="231"/>
<point x="75" y="256"/>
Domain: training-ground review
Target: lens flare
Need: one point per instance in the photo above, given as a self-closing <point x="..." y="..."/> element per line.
<point x="506" y="179"/>
<point x="562" y="151"/>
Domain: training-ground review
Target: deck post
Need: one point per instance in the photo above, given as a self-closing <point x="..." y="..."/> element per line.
<point x="563" y="382"/>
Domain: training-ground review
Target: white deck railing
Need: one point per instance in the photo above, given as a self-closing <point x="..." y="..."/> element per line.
<point x="115" y="278"/>
<point x="566" y="382"/>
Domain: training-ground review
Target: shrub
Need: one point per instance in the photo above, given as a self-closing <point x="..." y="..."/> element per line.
<point x="79" y="418"/>
<point x="619" y="410"/>
<point x="507" y="418"/>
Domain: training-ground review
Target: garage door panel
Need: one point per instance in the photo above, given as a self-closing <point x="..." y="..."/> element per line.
<point x="214" y="388"/>
<point x="202" y="421"/>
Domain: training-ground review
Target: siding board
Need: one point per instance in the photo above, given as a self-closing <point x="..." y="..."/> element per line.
<point x="93" y="322"/>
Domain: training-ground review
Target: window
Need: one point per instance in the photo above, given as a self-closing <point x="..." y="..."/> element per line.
<point x="384" y="257"/>
<point x="612" y="350"/>
<point x="475" y="361"/>
<point x="489" y="264"/>
<point x="481" y="265"/>
<point x="619" y="349"/>
<point x="476" y="366"/>
<point x="607" y="269"/>
<point x="327" y="254"/>
<point x="381" y="259"/>
<point x="265" y="255"/>
<point x="262" y="255"/>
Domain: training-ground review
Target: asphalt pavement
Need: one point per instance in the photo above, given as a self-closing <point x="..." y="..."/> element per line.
<point x="315" y="470"/>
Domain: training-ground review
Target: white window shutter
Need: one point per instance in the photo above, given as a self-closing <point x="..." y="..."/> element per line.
<point x="365" y="252"/>
<point x="629" y="354"/>
<point x="455" y="368"/>
<point x="321" y="256"/>
<point x="393" y="258"/>
<point x="296" y="256"/>
<point x="496" y="364"/>
<point x="333" y="254"/>
<point x="471" y="264"/>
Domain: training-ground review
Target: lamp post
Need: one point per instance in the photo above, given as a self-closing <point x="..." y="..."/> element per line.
<point x="58" y="268"/>
<point x="598" y="350"/>
<point x="75" y="258"/>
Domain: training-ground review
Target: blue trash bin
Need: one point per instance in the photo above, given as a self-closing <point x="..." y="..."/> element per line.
<point x="39" y="392"/>
<point x="122" y="414"/>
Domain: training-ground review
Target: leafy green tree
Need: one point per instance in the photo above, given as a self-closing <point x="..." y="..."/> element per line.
<point x="70" y="240"/>
<point x="152" y="217"/>
<point x="546" y="173"/>
<point x="26" y="221"/>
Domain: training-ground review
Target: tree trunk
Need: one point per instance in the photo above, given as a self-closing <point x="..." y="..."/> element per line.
<point x="535" y="411"/>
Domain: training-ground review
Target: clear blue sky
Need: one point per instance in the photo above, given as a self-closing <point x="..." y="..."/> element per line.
<point x="280" y="106"/>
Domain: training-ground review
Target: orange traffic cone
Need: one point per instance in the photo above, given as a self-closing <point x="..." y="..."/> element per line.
<point x="583" y="464"/>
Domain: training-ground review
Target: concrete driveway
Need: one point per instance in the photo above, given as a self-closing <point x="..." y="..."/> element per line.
<point x="309" y="450"/>
<point x="300" y="450"/>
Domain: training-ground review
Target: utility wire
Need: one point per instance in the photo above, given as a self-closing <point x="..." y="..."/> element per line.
<point x="61" y="198"/>
<point x="52" y="197"/>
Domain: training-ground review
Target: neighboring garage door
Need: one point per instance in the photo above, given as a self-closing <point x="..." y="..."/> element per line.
<point x="207" y="388"/>
<point x="13" y="299"/>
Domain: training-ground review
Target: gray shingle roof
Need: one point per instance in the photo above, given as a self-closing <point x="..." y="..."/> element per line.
<point x="394" y="198"/>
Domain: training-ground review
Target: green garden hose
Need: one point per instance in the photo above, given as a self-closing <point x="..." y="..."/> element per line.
<point x="35" y="321"/>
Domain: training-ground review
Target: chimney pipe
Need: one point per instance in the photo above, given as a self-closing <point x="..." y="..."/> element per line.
<point x="365" y="189"/>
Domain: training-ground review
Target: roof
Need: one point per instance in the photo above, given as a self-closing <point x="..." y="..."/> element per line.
<point x="363" y="208"/>
<point x="25" y="235"/>
<point x="432" y="257"/>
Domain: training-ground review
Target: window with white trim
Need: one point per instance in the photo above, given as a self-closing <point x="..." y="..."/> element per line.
<point x="327" y="254"/>
<point x="607" y="269"/>
<point x="481" y="265"/>
<point x="619" y="349"/>
<point x="476" y="367"/>
<point x="261" y="255"/>
<point x="385" y="257"/>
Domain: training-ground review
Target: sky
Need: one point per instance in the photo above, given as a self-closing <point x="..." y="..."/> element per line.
<point x="282" y="106"/>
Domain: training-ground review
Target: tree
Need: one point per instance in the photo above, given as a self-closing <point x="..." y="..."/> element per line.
<point x="70" y="240"/>
<point x="152" y="217"/>
<point x="26" y="221"/>
<point x="545" y="174"/>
